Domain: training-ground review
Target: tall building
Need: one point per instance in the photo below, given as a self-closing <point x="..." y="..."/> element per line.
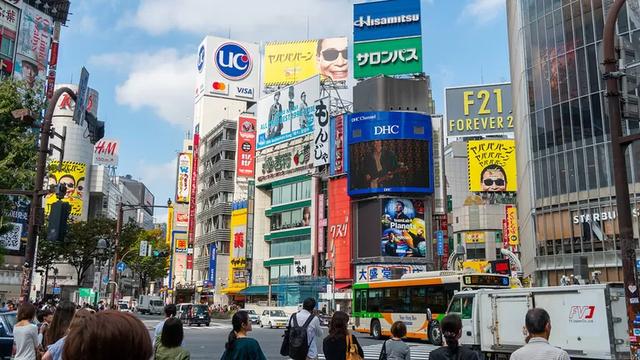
<point x="567" y="209"/>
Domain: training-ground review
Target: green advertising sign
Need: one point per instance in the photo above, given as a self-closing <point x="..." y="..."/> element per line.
<point x="388" y="57"/>
<point x="85" y="292"/>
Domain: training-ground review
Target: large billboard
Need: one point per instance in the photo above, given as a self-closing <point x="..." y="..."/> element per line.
<point x="105" y="152"/>
<point x="389" y="152"/>
<point x="403" y="228"/>
<point x="492" y="165"/>
<point x="287" y="63"/>
<point x="387" y="57"/>
<point x="246" y="163"/>
<point x="479" y="110"/>
<point x="183" y="178"/>
<point x="228" y="69"/>
<point x="283" y="163"/>
<point x="386" y="20"/>
<point x="287" y="113"/>
<point x="339" y="231"/>
<point x="36" y="29"/>
<point x="72" y="174"/>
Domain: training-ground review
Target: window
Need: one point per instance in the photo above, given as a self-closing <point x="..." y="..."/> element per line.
<point x="374" y="300"/>
<point x="291" y="192"/>
<point x="291" y="246"/>
<point x="6" y="47"/>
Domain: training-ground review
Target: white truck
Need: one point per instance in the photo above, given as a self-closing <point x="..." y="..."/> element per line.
<point x="587" y="321"/>
<point x="149" y="304"/>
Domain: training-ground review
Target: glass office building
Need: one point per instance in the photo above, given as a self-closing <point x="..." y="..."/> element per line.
<point x="566" y="199"/>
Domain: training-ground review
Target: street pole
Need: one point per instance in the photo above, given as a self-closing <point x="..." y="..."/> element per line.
<point x="619" y="144"/>
<point x="114" y="272"/>
<point x="36" y="197"/>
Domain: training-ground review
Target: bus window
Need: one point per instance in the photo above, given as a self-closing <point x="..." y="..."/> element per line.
<point x="418" y="299"/>
<point x="374" y="300"/>
<point x="361" y="301"/>
<point x="404" y="300"/>
<point x="391" y="301"/>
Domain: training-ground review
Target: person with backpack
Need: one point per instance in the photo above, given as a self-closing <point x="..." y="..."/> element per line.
<point x="302" y="331"/>
<point x="451" y="327"/>
<point x="335" y="346"/>
<point x="239" y="346"/>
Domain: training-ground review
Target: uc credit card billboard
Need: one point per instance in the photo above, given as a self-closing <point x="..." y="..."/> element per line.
<point x="386" y="20"/>
<point x="389" y="152"/>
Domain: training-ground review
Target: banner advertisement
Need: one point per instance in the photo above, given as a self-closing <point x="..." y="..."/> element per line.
<point x="284" y="163"/>
<point x="511" y="220"/>
<point x="228" y="69"/>
<point x="479" y="110"/>
<point x="321" y="132"/>
<point x="290" y="62"/>
<point x="25" y="69"/>
<point x="180" y="261"/>
<point x="277" y="124"/>
<point x="18" y="216"/>
<point x="473" y="237"/>
<point x="105" y="152"/>
<point x="194" y="186"/>
<point x="492" y="165"/>
<point x="182" y="219"/>
<point x="386" y="271"/>
<point x="337" y="156"/>
<point x="72" y="174"/>
<point x="438" y="166"/>
<point x="183" y="178"/>
<point x="339" y="231"/>
<point x="245" y="166"/>
<point x="302" y="267"/>
<point x="387" y="57"/>
<point x="403" y="228"/>
<point x="36" y="30"/>
<point x="181" y="242"/>
<point x="8" y="17"/>
<point x="12" y="238"/>
<point x="389" y="152"/>
<point x="211" y="276"/>
<point x="386" y="20"/>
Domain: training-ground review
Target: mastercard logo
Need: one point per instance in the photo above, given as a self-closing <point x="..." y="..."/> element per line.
<point x="219" y="86"/>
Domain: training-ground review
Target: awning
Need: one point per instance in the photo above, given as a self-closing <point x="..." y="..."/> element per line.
<point x="341" y="286"/>
<point x="255" y="290"/>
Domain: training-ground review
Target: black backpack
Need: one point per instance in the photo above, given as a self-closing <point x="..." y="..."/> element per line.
<point x="298" y="341"/>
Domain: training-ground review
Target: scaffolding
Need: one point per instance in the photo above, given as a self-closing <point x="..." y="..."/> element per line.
<point x="292" y="290"/>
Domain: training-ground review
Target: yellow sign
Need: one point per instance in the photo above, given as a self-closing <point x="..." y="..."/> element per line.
<point x="237" y="251"/>
<point x="472" y="237"/>
<point x="512" y="226"/>
<point x="492" y="165"/>
<point x="477" y="265"/>
<point x="72" y="174"/>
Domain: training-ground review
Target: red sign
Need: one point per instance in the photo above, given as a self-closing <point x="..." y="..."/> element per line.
<point x="194" y="192"/>
<point x="339" y="150"/>
<point x="340" y="229"/>
<point x="245" y="166"/>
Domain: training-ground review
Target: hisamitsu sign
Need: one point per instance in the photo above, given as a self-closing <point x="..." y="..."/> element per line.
<point x="386" y="20"/>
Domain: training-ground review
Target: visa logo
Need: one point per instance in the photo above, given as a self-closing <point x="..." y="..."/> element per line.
<point x="246" y="92"/>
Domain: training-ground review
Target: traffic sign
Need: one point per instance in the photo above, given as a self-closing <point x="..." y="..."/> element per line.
<point x="105" y="279"/>
<point x="143" y="248"/>
<point x="121" y="266"/>
<point x="56" y="291"/>
<point x="81" y="97"/>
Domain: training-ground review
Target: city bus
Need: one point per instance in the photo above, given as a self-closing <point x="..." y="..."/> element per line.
<point x="420" y="300"/>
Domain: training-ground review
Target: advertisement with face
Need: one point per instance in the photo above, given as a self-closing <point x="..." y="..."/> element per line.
<point x="492" y="165"/>
<point x="245" y="166"/>
<point x="403" y="228"/>
<point x="389" y="152"/>
<point x="36" y="30"/>
<point x="72" y="175"/>
<point x="287" y="114"/>
<point x="30" y="72"/>
<point x="183" y="178"/>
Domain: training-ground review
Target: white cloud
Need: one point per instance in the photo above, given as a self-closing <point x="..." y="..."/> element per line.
<point x="483" y="11"/>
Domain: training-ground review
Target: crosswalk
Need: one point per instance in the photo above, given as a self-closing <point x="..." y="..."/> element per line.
<point x="418" y="351"/>
<point x="151" y="325"/>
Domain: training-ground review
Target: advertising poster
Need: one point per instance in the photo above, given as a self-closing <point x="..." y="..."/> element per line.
<point x="183" y="178"/>
<point x="36" y="30"/>
<point x="27" y="70"/>
<point x="283" y="163"/>
<point x="290" y="62"/>
<point x="386" y="271"/>
<point x="302" y="267"/>
<point x="11" y="239"/>
<point x="180" y="267"/>
<point x="479" y="110"/>
<point x="194" y="186"/>
<point x="339" y="230"/>
<point x="511" y="217"/>
<point x="238" y="248"/>
<point x="386" y="20"/>
<point x="403" y="228"/>
<point x="182" y="219"/>
<point x="389" y="152"/>
<point x="72" y="174"/>
<point x="321" y="141"/>
<point x="8" y="17"/>
<point x="181" y="242"/>
<point x="245" y="166"/>
<point x="473" y="237"/>
<point x="287" y="113"/>
<point x="387" y="57"/>
<point x="105" y="152"/>
<point x="337" y="156"/>
<point x="18" y="216"/>
<point x="492" y="165"/>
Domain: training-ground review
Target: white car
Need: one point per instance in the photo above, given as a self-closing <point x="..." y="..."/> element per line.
<point x="273" y="318"/>
<point x="124" y="307"/>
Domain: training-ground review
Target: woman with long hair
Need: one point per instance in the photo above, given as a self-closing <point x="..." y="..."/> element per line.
<point x="239" y="346"/>
<point x="54" y="352"/>
<point x="25" y="333"/>
<point x="451" y="327"/>
<point x="334" y="345"/>
<point x="61" y="320"/>
<point x="168" y="348"/>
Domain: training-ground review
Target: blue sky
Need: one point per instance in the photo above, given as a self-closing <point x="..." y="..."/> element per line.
<point x="141" y="55"/>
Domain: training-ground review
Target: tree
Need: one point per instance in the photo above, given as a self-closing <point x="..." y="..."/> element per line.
<point x="48" y="255"/>
<point x="149" y="268"/>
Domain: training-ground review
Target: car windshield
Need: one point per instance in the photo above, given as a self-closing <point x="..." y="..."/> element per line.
<point x="124" y="306"/>
<point x="200" y="309"/>
<point x="251" y="312"/>
<point x="156" y="302"/>
<point x="278" y="313"/>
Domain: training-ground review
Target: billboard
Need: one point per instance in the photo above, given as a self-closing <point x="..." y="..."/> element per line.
<point x="8" y="17"/>
<point x="276" y="123"/>
<point x="386" y="20"/>
<point x="183" y="178"/>
<point x="182" y="219"/>
<point x="181" y="242"/>
<point x="245" y="166"/>
<point x="283" y="163"/>
<point x="238" y="249"/>
<point x="492" y="165"/>
<point x="211" y="276"/>
<point x="148" y="199"/>
<point x="228" y="69"/>
<point x="511" y="225"/>
<point x="375" y="272"/>
<point x="473" y="237"/>
<point x="287" y="63"/>
<point x="72" y="174"/>
<point x="27" y="70"/>
<point x="105" y="152"/>
<point x="339" y="228"/>
<point x="479" y="110"/>
<point x="440" y="207"/>
<point x="337" y="155"/>
<point x="18" y="216"/>
<point x="389" y="152"/>
<point x="403" y="228"/>
<point x="321" y="141"/>
<point x="387" y="57"/>
<point x="12" y="238"/>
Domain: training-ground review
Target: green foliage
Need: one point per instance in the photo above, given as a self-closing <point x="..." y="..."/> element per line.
<point x="149" y="268"/>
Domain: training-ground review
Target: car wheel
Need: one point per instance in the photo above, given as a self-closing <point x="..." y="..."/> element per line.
<point x="376" y="329"/>
<point x="208" y="324"/>
<point x="435" y="333"/>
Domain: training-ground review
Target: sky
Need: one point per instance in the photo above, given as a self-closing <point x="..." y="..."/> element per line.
<point x="141" y="56"/>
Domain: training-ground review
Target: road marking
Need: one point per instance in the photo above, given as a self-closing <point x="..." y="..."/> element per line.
<point x="372" y="352"/>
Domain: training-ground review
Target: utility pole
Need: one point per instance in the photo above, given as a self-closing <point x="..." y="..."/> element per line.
<point x="114" y="268"/>
<point x="619" y="144"/>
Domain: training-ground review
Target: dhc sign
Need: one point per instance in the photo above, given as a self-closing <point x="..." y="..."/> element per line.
<point x="386" y="20"/>
<point x="386" y="129"/>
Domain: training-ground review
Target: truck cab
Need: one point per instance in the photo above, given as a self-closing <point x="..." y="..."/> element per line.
<point x="462" y="304"/>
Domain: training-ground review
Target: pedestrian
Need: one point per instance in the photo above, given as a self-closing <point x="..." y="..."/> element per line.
<point x="25" y="333"/>
<point x="61" y="320"/>
<point x="170" y="311"/>
<point x="239" y="346"/>
<point x="451" y="327"/>
<point x="54" y="351"/>
<point x="334" y="345"/>
<point x="304" y="319"/>
<point x="168" y="347"/>
<point x="109" y="335"/>
<point x="395" y="348"/>
<point x="538" y="324"/>
<point x="45" y="317"/>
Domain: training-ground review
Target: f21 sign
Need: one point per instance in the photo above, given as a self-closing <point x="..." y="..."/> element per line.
<point x="321" y="132"/>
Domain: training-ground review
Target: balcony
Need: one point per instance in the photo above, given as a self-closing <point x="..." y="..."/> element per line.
<point x="213" y="236"/>
<point x="201" y="262"/>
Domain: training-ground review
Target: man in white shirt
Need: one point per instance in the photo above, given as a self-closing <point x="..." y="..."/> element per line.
<point x="538" y="324"/>
<point x="313" y="330"/>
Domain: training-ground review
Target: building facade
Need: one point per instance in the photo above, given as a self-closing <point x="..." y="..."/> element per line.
<point x="566" y="203"/>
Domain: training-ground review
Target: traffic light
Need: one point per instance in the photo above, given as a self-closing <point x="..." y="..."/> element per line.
<point x="58" y="217"/>
<point x="157" y="253"/>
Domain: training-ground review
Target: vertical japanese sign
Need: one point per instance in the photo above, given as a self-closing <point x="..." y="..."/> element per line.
<point x="440" y="242"/>
<point x="8" y="16"/>
<point x="212" y="264"/>
<point x="53" y="60"/>
<point x="511" y="218"/>
<point x="245" y="166"/>
<point x="321" y="132"/>
<point x="321" y="223"/>
<point x="339" y="242"/>
<point x="183" y="178"/>
<point x="194" y="192"/>
<point x="238" y="255"/>
<point x="337" y="145"/>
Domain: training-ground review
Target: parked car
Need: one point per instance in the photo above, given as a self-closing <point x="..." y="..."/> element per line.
<point x="253" y="316"/>
<point x="273" y="318"/>
<point x="123" y="306"/>
<point x="191" y="314"/>
<point x="7" y="321"/>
